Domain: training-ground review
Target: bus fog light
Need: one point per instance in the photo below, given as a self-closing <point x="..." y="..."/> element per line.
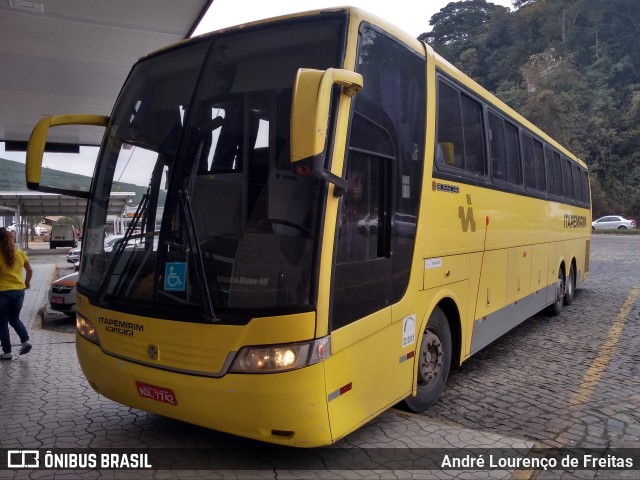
<point x="280" y="358"/>
<point x="86" y="329"/>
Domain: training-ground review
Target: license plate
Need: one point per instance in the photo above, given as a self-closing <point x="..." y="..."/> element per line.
<point x="159" y="394"/>
<point x="57" y="300"/>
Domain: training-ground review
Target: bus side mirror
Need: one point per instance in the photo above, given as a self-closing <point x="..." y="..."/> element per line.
<point x="310" y="120"/>
<point x="38" y="140"/>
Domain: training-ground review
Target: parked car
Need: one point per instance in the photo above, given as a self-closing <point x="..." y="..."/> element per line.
<point x="38" y="229"/>
<point x="613" y="222"/>
<point x="63" y="235"/>
<point x="109" y="243"/>
<point x="62" y="294"/>
<point x="41" y="229"/>
<point x="74" y="254"/>
<point x="16" y="227"/>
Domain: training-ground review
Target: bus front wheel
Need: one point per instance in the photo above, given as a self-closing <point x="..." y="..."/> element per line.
<point x="434" y="361"/>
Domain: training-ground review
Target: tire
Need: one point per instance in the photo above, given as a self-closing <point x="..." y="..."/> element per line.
<point x="556" y="307"/>
<point x="622" y="227"/>
<point x="434" y="362"/>
<point x="570" y="286"/>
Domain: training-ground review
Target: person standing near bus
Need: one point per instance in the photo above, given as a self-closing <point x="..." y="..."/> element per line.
<point x="12" y="287"/>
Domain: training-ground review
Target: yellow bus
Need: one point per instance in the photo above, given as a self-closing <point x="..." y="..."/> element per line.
<point x="332" y="216"/>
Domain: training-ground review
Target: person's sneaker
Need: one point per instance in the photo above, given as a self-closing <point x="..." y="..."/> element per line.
<point x="25" y="347"/>
<point x="5" y="356"/>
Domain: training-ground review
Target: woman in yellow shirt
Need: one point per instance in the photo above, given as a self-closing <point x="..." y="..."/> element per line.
<point x="12" y="287"/>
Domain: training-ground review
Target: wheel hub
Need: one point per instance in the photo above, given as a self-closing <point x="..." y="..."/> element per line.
<point x="430" y="358"/>
<point x="560" y="289"/>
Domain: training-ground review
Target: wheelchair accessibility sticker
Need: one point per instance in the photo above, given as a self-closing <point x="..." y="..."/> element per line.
<point x="175" y="276"/>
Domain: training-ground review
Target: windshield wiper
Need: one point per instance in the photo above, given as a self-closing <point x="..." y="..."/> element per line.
<point x="194" y="247"/>
<point x="120" y="245"/>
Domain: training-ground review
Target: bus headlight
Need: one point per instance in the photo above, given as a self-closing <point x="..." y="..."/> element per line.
<point x="280" y="358"/>
<point x="86" y="329"/>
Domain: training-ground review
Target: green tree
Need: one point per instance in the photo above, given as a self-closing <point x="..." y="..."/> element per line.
<point x="570" y="66"/>
<point x="32" y="221"/>
<point x="459" y="22"/>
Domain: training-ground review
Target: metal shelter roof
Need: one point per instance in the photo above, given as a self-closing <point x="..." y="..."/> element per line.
<point x="72" y="56"/>
<point x="47" y="204"/>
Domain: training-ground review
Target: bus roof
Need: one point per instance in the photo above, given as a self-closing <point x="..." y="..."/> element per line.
<point x="355" y="13"/>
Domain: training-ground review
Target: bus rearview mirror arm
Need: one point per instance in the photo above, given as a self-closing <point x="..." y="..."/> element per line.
<point x="315" y="167"/>
<point x="36" y="147"/>
<point x="310" y="110"/>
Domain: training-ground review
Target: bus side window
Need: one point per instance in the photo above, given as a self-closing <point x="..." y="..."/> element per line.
<point x="528" y="162"/>
<point x="538" y="161"/>
<point x="586" y="195"/>
<point x="512" y="158"/>
<point x="567" y="178"/>
<point x="444" y="153"/>
<point x="533" y="161"/>
<point x="473" y="136"/>
<point x="497" y="147"/>
<point x="557" y="172"/>
<point x="384" y="168"/>
<point x="505" y="154"/>
<point x="551" y="177"/>
<point x="460" y="134"/>
<point x="362" y="253"/>
<point x="449" y="124"/>
<point x="577" y="185"/>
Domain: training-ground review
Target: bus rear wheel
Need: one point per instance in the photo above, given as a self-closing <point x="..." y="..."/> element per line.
<point x="434" y="362"/>
<point x="570" y="286"/>
<point x="556" y="307"/>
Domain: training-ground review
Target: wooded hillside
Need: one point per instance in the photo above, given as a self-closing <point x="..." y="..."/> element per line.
<point x="570" y="66"/>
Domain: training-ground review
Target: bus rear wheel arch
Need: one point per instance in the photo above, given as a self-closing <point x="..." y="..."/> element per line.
<point x="434" y="361"/>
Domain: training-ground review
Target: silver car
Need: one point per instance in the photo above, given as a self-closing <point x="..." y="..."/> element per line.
<point x="613" y="222"/>
<point x="74" y="254"/>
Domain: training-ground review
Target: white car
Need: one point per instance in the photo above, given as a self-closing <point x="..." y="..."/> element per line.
<point x="74" y="254"/>
<point x="613" y="222"/>
<point x="15" y="227"/>
<point x="109" y="243"/>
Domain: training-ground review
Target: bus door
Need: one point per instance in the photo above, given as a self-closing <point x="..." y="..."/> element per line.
<point x="375" y="233"/>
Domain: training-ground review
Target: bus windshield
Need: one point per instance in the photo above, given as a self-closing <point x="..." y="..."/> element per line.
<point x="200" y="133"/>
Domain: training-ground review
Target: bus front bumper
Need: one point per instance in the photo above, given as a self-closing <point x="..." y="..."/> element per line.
<point x="288" y="408"/>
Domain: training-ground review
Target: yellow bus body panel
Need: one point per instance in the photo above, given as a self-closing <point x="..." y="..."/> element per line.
<point x="514" y="246"/>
